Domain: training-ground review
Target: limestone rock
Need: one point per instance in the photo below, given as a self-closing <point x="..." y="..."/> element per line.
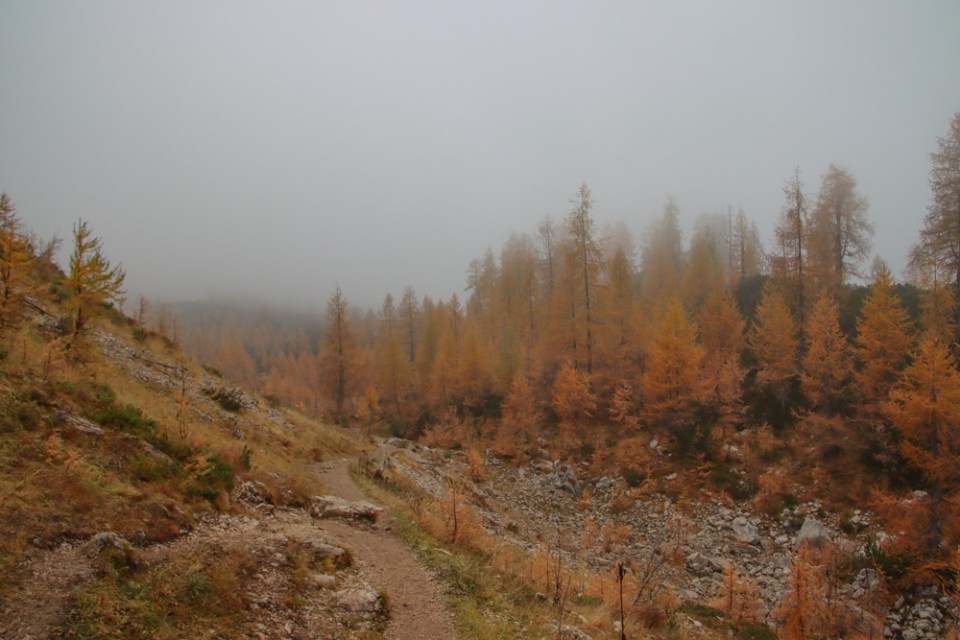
<point x="358" y="600"/>
<point x="336" y="507"/>
<point x="323" y="581"/>
<point x="78" y="423"/>
<point x="745" y="531"/>
<point x="570" y="632"/>
<point x="252" y="492"/>
<point x="108" y="548"/>
<point x="813" y="533"/>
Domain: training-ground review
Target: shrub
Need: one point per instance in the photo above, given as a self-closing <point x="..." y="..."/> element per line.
<point x="634" y="478"/>
<point x="140" y="334"/>
<point x="245" y="458"/>
<point x="216" y="476"/>
<point x="150" y="468"/>
<point x="124" y="417"/>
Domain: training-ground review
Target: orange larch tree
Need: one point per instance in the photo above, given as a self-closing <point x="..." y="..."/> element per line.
<point x="15" y="264"/>
<point x="721" y="334"/>
<point x="572" y="400"/>
<point x="925" y="408"/>
<point x="338" y="356"/>
<point x="775" y="343"/>
<point x="883" y="341"/>
<point x="826" y="374"/>
<point x="672" y="382"/>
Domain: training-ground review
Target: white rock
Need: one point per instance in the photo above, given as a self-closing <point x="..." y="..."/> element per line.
<point x="745" y="531"/>
<point x="813" y="532"/>
<point x="358" y="600"/>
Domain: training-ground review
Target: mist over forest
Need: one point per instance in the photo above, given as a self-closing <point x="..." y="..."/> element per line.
<point x="277" y="151"/>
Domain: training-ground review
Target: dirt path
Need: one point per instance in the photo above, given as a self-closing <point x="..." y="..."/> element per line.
<point x="418" y="609"/>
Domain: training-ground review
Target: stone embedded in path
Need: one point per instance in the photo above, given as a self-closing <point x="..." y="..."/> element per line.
<point x="336" y="507"/>
<point x="109" y="548"/>
<point x="323" y="581"/>
<point x="358" y="600"/>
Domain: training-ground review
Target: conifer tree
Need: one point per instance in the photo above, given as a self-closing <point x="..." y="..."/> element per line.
<point x="672" y="382"/>
<point x="883" y="340"/>
<point x="775" y="344"/>
<point x="826" y="374"/>
<point x="572" y="399"/>
<point x="338" y="356"/>
<point x="585" y="260"/>
<point x="721" y="334"/>
<point x="940" y="237"/>
<point x="15" y="261"/>
<point x="840" y="233"/>
<point x="790" y="264"/>
<point x="925" y="408"/>
<point x="92" y="281"/>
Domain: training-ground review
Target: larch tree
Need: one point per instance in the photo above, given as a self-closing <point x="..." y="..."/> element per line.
<point x="776" y="345"/>
<point x="473" y="371"/>
<point x="747" y="249"/>
<point x="661" y="261"/>
<point x="883" y="341"/>
<point x="92" y="281"/>
<point x="925" y="408"/>
<point x="393" y="375"/>
<point x="618" y="313"/>
<point x="704" y="270"/>
<point x="826" y="374"/>
<point x="15" y="264"/>
<point x="672" y="383"/>
<point x="721" y="334"/>
<point x="518" y="290"/>
<point x="409" y="318"/>
<point x="572" y="399"/>
<point x="547" y="237"/>
<point x="586" y="258"/>
<point x="521" y="418"/>
<point x="840" y="232"/>
<point x="792" y="232"/>
<point x="940" y="236"/>
<point x="338" y="355"/>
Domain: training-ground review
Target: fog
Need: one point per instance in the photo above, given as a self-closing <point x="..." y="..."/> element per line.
<point x="272" y="149"/>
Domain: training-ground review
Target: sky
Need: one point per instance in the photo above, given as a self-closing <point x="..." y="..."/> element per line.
<point x="274" y="149"/>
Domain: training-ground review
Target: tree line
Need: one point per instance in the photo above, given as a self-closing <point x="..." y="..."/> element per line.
<point x="569" y="329"/>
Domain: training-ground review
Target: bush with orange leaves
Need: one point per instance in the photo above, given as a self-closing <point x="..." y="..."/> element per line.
<point x="475" y="467"/>
<point x="813" y="607"/>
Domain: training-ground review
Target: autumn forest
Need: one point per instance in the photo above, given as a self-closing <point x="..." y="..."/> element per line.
<point x="588" y="344"/>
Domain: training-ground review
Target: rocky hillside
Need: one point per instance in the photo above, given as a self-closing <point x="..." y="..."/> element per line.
<point x="141" y="495"/>
<point x="709" y="567"/>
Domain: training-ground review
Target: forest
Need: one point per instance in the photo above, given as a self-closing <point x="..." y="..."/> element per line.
<point x="583" y="344"/>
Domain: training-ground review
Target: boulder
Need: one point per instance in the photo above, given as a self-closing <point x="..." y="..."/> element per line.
<point x="107" y="549"/>
<point x="745" y="531"/>
<point x="569" y="632"/>
<point x="359" y="600"/>
<point x="323" y="581"/>
<point x="78" y="424"/>
<point x="252" y="492"/>
<point x="336" y="507"/>
<point x="813" y="533"/>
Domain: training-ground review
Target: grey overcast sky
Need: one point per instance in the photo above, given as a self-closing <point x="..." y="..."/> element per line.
<point x="273" y="149"/>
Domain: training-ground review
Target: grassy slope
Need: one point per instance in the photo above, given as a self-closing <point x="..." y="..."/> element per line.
<point x="58" y="484"/>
